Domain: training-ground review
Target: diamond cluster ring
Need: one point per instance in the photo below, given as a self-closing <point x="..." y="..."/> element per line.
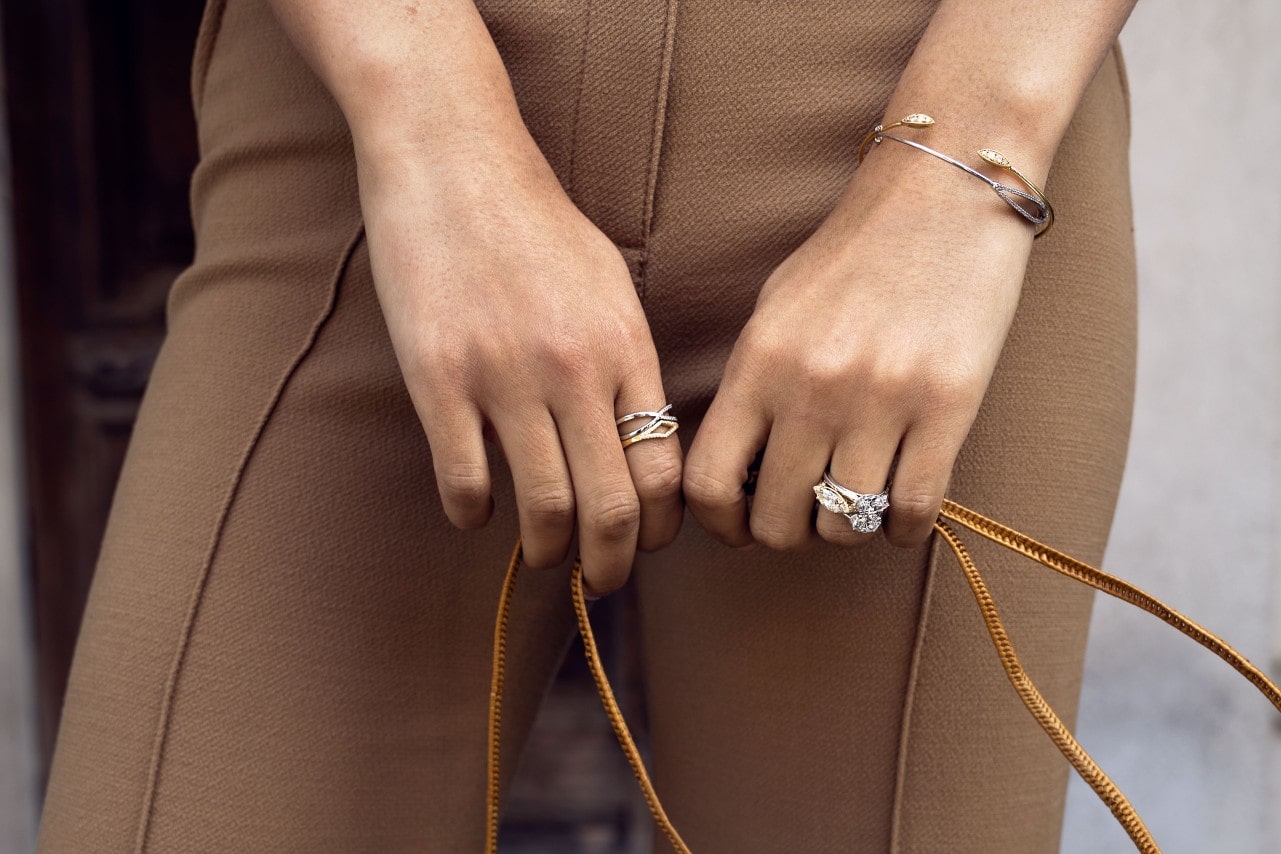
<point x="863" y="510"/>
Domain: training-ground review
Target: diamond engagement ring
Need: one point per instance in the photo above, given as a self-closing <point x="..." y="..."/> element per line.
<point x="862" y="509"/>
<point x="659" y="425"/>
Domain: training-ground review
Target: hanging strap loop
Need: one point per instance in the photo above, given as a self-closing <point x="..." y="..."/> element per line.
<point x="1040" y="710"/>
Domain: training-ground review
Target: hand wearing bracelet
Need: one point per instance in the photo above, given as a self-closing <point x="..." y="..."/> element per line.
<point x="1044" y="214"/>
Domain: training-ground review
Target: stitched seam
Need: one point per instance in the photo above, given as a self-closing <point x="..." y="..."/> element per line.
<point x="656" y="145"/>
<point x="578" y="97"/>
<point x="184" y="639"/>
<point x="909" y="695"/>
<point x="206" y="39"/>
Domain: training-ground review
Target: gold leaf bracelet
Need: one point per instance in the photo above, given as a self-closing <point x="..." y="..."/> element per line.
<point x="1042" y="217"/>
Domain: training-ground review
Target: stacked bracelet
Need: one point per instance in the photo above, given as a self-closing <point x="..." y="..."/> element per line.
<point x="1044" y="213"/>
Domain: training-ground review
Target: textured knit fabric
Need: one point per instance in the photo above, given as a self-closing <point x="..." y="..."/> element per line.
<point x="286" y="646"/>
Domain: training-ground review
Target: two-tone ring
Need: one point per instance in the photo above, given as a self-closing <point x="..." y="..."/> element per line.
<point x="658" y="425"/>
<point x="863" y="510"/>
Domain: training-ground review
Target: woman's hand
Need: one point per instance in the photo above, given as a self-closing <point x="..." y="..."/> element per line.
<point x="877" y="335"/>
<point x="509" y="311"/>
<point x="511" y="314"/>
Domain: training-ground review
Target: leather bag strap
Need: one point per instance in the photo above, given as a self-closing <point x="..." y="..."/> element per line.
<point x="1045" y="716"/>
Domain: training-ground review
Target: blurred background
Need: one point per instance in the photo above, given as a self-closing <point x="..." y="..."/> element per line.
<point x="96" y="148"/>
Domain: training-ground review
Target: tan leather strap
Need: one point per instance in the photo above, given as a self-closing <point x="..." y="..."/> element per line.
<point x="1027" y="691"/>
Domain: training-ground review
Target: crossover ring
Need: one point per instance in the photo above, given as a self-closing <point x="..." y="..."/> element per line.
<point x="659" y="425"/>
<point x="863" y="510"/>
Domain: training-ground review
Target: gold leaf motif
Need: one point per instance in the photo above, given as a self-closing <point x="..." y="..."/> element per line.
<point x="995" y="157"/>
<point x="918" y="120"/>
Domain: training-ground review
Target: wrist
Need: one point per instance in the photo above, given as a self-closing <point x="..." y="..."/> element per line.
<point x="408" y="126"/>
<point x="914" y="186"/>
<point x="480" y="165"/>
<point x="1019" y="125"/>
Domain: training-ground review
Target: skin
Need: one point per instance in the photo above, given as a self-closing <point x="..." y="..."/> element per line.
<point x="877" y="336"/>
<point x="842" y="364"/>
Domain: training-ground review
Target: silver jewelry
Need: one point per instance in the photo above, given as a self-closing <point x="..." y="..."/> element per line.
<point x="660" y="425"/>
<point x="863" y="510"/>
<point x="1005" y="191"/>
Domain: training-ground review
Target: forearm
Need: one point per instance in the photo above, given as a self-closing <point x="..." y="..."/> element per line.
<point x="1007" y="74"/>
<point x="417" y="82"/>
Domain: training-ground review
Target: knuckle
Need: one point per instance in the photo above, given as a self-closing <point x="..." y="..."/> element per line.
<point x="543" y="556"/>
<point x="660" y="479"/>
<point x="915" y="507"/>
<point x="633" y="337"/>
<point x="605" y="583"/>
<point x="930" y="384"/>
<point x="887" y="382"/>
<point x="954" y="387"/>
<point x="822" y="370"/>
<point x="706" y="490"/>
<point x="569" y="354"/>
<point x="465" y="483"/>
<point x="838" y="532"/>
<point x="616" y="517"/>
<point x="757" y="345"/>
<point x="820" y="386"/>
<point x="890" y="381"/>
<point x="852" y="538"/>
<point x="652" y="542"/>
<point x="446" y="358"/>
<point x="773" y="534"/>
<point x="835" y="535"/>
<point x="551" y="504"/>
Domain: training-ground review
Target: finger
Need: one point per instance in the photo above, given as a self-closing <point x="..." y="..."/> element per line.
<point x="861" y="462"/>
<point x="924" y="469"/>
<point x="608" y="507"/>
<point x="654" y="465"/>
<point x="731" y="433"/>
<point x="783" y="506"/>
<point x="544" y="492"/>
<point x="454" y="429"/>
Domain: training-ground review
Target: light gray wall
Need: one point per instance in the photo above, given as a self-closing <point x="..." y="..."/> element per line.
<point x="17" y="726"/>
<point x="1192" y="744"/>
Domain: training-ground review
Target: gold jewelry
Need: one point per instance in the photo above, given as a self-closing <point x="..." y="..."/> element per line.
<point x="863" y="510"/>
<point x="915" y="120"/>
<point x="1044" y="216"/>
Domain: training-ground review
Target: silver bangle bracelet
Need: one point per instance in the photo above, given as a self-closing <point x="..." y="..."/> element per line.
<point x="1044" y="214"/>
<point x="1003" y="190"/>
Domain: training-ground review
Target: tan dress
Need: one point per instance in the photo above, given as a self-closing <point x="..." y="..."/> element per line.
<point x="287" y="645"/>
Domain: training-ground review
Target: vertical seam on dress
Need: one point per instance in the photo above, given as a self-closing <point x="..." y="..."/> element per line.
<point x="656" y="144"/>
<point x="578" y="97"/>
<point x="184" y="638"/>
<point x="909" y="694"/>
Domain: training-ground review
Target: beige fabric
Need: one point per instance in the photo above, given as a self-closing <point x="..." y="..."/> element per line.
<point x="286" y="646"/>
